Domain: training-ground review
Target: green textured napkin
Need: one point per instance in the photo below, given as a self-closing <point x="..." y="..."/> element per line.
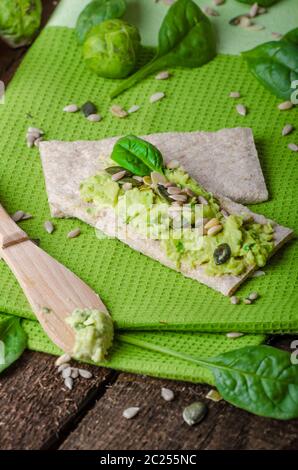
<point x="139" y="292"/>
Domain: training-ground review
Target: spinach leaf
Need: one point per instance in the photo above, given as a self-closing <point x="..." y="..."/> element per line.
<point x="95" y="13"/>
<point x="261" y="3"/>
<point x="275" y="65"/>
<point x="13" y="341"/>
<point x="259" y="379"/>
<point x="137" y="155"/>
<point x="186" y="39"/>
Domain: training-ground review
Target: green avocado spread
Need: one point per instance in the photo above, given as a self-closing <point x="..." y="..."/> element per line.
<point x="235" y="244"/>
<point x="94" y="332"/>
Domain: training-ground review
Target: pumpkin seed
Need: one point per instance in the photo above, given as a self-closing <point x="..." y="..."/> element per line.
<point x="234" y="335"/>
<point x="174" y="190"/>
<point x="68" y="382"/>
<point x="293" y="147"/>
<point x="133" y="109"/>
<point x="241" y="109"/>
<point x="71" y="108"/>
<point x="253" y="296"/>
<point x="163" y="193"/>
<point x="74" y="233"/>
<point x="222" y="253"/>
<point x="195" y="413"/>
<point x="128" y="180"/>
<point x="118" y="111"/>
<point x="285" y="105"/>
<point x="210" y="11"/>
<point x="49" y="227"/>
<point x="214" y="230"/>
<point x="288" y="128"/>
<point x="254" y="10"/>
<point x="112" y="170"/>
<point x="179" y="197"/>
<point x="74" y="373"/>
<point x="130" y="413"/>
<point x="118" y="176"/>
<point x="173" y="164"/>
<point x="88" y="109"/>
<point x="162" y="75"/>
<point x="157" y="97"/>
<point x="147" y="180"/>
<point x="94" y="117"/>
<point x="66" y="372"/>
<point x="62" y="359"/>
<point x="167" y="394"/>
<point x="234" y="94"/>
<point x="85" y="373"/>
<point x="235" y="300"/>
<point x="62" y="367"/>
<point x="214" y="395"/>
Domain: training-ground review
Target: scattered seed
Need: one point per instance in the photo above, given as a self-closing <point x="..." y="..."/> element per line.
<point x="138" y="178"/>
<point x="162" y="75"/>
<point x="214" y="230"/>
<point x="127" y="186"/>
<point x="241" y="109"/>
<point x="179" y="197"/>
<point x="210" y="11"/>
<point x="262" y="10"/>
<point x="188" y="192"/>
<point x="85" y="374"/>
<point x="234" y="335"/>
<point x="71" y="108"/>
<point x="244" y="22"/>
<point x="254" y="10"/>
<point x="46" y="310"/>
<point x="255" y="27"/>
<point x="234" y="94"/>
<point x="94" y="117"/>
<point x="218" y="2"/>
<point x="37" y="141"/>
<point x="130" y="413"/>
<point x="214" y="395"/>
<point x="211" y="223"/>
<point x="62" y="367"/>
<point x="253" y="296"/>
<point x="276" y="35"/>
<point x="258" y="273"/>
<point x="68" y="382"/>
<point x="49" y="227"/>
<point x="173" y="164"/>
<point x="74" y="373"/>
<point x="285" y="105"/>
<point x="88" y="109"/>
<point x="195" y="413"/>
<point x="202" y="200"/>
<point x="167" y="394"/>
<point x="293" y="147"/>
<point x="74" y="233"/>
<point x="118" y="176"/>
<point x="247" y="301"/>
<point x="235" y="300"/>
<point x="118" y="111"/>
<point x="31" y="138"/>
<point x="18" y="216"/>
<point x="66" y="372"/>
<point x="157" y="97"/>
<point x="133" y="109"/>
<point x="288" y="128"/>
<point x="62" y="359"/>
<point x="35" y="130"/>
<point x="174" y="190"/>
<point x="225" y="213"/>
<point x="147" y="180"/>
<point x="237" y="19"/>
<point x="27" y="216"/>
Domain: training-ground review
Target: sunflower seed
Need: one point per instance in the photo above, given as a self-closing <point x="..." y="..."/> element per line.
<point x="288" y="128"/>
<point x="66" y="372"/>
<point x="244" y="22"/>
<point x="130" y="413"/>
<point x="293" y="147"/>
<point x="158" y="178"/>
<point x="138" y="178"/>
<point x="31" y="138"/>
<point x="234" y="335"/>
<point x="276" y="35"/>
<point x="118" y="111"/>
<point x="85" y="373"/>
<point x="127" y="186"/>
<point x="157" y="97"/>
<point x="74" y="233"/>
<point x="37" y="141"/>
<point x="202" y="200"/>
<point x="214" y="395"/>
<point x="94" y="117"/>
<point x="162" y="75"/>
<point x="255" y="27"/>
<point x="234" y="94"/>
<point x="210" y="11"/>
<point x="218" y="2"/>
<point x="237" y="19"/>
<point x="118" y="176"/>
<point x="49" y="227"/>
<point x="253" y="296"/>
<point x="18" y="216"/>
<point x="173" y="164"/>
<point x="211" y="223"/>
<point x="167" y="394"/>
<point x="241" y="109"/>
<point x="74" y="373"/>
<point x="174" y="190"/>
<point x="179" y="197"/>
<point x="188" y="192"/>
<point x="71" y="108"/>
<point x="258" y="273"/>
<point x="285" y="105"/>
<point x="133" y="109"/>
<point x="35" y="130"/>
<point x="88" y="109"/>
<point x="235" y="300"/>
<point x="63" y="366"/>
<point x="68" y="382"/>
<point x="254" y="10"/>
<point x="225" y="213"/>
<point x="62" y="359"/>
<point x="247" y="301"/>
<point x="27" y="216"/>
<point x="214" y="230"/>
<point x="194" y="413"/>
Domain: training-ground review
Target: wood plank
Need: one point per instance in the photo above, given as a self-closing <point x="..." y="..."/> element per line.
<point x="37" y="410"/>
<point x="160" y="426"/>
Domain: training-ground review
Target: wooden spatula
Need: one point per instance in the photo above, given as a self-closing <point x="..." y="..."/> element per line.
<point x="52" y="290"/>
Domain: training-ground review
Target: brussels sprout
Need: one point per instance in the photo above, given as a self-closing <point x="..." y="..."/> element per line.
<point x="19" y="21"/>
<point x="95" y="13"/>
<point x="111" y="48"/>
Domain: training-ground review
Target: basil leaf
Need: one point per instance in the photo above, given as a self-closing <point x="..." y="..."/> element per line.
<point x="275" y="65"/>
<point x="95" y="13"/>
<point x="261" y="3"/>
<point x="291" y="36"/>
<point x="13" y="341"/>
<point x="137" y="155"/>
<point x="259" y="379"/>
<point x="186" y="39"/>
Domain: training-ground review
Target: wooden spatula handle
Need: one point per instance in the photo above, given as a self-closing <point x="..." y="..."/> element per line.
<point x="10" y="233"/>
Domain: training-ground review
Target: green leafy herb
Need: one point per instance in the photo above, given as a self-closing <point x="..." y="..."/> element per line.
<point x="137" y="156"/>
<point x="13" y="341"/>
<point x="261" y="3"/>
<point x="95" y="13"/>
<point x="19" y="21"/>
<point x="186" y="39"/>
<point x="275" y="64"/>
<point x="259" y="379"/>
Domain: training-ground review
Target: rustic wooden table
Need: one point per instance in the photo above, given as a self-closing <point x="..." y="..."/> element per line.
<point x="38" y="413"/>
